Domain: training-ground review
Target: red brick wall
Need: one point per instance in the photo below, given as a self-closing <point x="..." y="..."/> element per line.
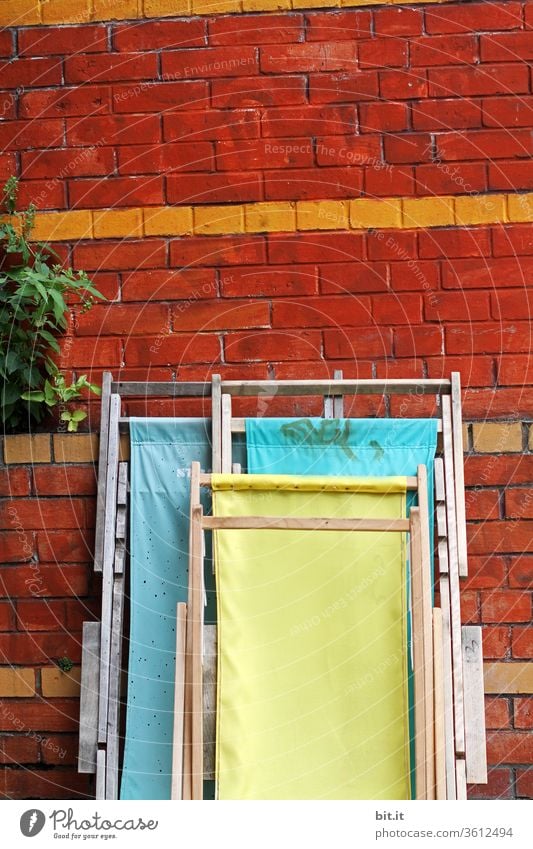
<point x="372" y="103"/>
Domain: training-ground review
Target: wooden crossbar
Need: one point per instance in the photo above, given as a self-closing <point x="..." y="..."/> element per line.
<point x="282" y="523"/>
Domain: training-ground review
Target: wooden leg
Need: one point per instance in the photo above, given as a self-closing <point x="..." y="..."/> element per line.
<point x="428" y="627"/>
<point x="438" y="678"/>
<point x="179" y="703"/>
<point x="216" y="423"/>
<point x="417" y="636"/>
<point x="458" y="465"/>
<point x="476" y="743"/>
<point x="189" y="642"/>
<point x="226" y="434"/>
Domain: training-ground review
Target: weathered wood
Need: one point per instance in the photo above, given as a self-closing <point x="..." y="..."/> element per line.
<point x="455" y="609"/>
<point x="210" y="699"/>
<point x="179" y="703"/>
<point x="100" y="774"/>
<point x="336" y="387"/>
<point x="461" y="779"/>
<point x="102" y="472"/>
<point x="236" y="469"/>
<point x="152" y="388"/>
<point x="122" y="519"/>
<point x="338" y="400"/>
<point x="418" y="653"/>
<point x="226" y="434"/>
<point x="90" y="666"/>
<point x="216" y="424"/>
<point x="427" y="593"/>
<point x="458" y="463"/>
<point x="300" y="524"/>
<point x="206" y="480"/>
<point x="476" y="743"/>
<point x="115" y="676"/>
<point x="195" y="617"/>
<point x="189" y="645"/>
<point x="438" y="677"/>
<point x="108" y="564"/>
<point x="449" y="742"/>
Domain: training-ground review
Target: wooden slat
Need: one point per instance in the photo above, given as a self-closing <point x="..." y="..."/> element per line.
<point x="427" y="594"/>
<point x="476" y="743"/>
<point x="438" y="677"/>
<point x="122" y="519"/>
<point x="236" y="469"/>
<point x="336" y="387"/>
<point x="108" y="564"/>
<point x="179" y="703"/>
<point x="206" y="480"/>
<point x="115" y="676"/>
<point x="418" y="653"/>
<point x="102" y="472"/>
<point x="189" y="645"/>
<point x="238" y="425"/>
<point x="210" y="699"/>
<point x="90" y="666"/>
<point x="100" y="774"/>
<point x="195" y="617"/>
<point x="226" y="434"/>
<point x="216" y="424"/>
<point x="461" y="780"/>
<point x="299" y="524"/>
<point x="154" y="389"/>
<point x="455" y="610"/>
<point x="338" y="400"/>
<point x="458" y="462"/>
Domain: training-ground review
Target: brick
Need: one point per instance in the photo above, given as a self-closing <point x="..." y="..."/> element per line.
<point x="519" y="503"/>
<point x="352" y="150"/>
<point x="116" y="191"/>
<point x="155" y="35"/>
<point x="394" y="180"/>
<point x="19" y="749"/>
<point x="159" y="97"/>
<point x="27" y="449"/>
<point x="203" y="316"/>
<point x="392" y="310"/>
<point x="342" y="88"/>
<point x="392" y="246"/>
<point x="210" y="62"/>
<point x="359" y="342"/>
<point x="410" y="147"/>
<point x="509" y="747"/>
<point x="383" y="53"/>
<point x="505" y="47"/>
<point x="490" y="144"/>
<point x="21" y="11"/>
<point x="521" y="571"/>
<point x="263" y="153"/>
<point x="343" y="25"/>
<point x="55" y="683"/>
<point x="336" y="278"/>
<point x="209" y="125"/>
<point x="123" y="319"/>
<point x="402" y="85"/>
<point x="497" y="713"/>
<point x="480" y="210"/>
<point x="7" y="616"/>
<point x="469" y="599"/>
<point x="117" y="222"/>
<point x="110" y="67"/>
<point x="91" y="162"/>
<point x="30" y="72"/>
<point x="145" y="159"/>
<point x="169" y="285"/>
<point x="474" y="17"/>
<point x="63" y="11"/>
<point x="272" y="345"/>
<point x="264" y="281"/>
<point x="499" y="786"/>
<point x="483" y="572"/>
<point x="496" y="641"/>
<point x="16" y="546"/>
<point x="64" y="480"/>
<point x="26" y="649"/>
<point x="520" y="207"/>
<point x="115" y="129"/>
<point x="308" y="121"/>
<point x="482" y="80"/>
<point x="130" y="255"/>
<point x="524" y="783"/>
<point x="250" y="29"/>
<point x="458" y="306"/>
<point x="14" y="482"/>
<point x="213" y="251"/>
<point x="16" y="682"/>
<point x="214" y="188"/>
<point x="62" y="226"/>
<point x="438" y="115"/>
<point x="60" y="749"/>
<point x="246" y="92"/>
<point x="489" y="338"/>
<point x="457" y="179"/>
<point x="54" y="103"/>
<point x="315" y="247"/>
<point x="421" y="279"/>
<point x="8" y="165"/>
<point x="41" y="715"/>
<point x="270" y="217"/>
<point x="59" y="41"/>
<point x="443" y="50"/>
<point x="507" y="111"/>
<point x="91" y="352"/>
<point x="487" y="403"/>
<point x="34" y="514"/>
<point x="313" y="184"/>
<point x="510" y="175"/>
<point x="41" y="615"/>
<point x="214" y="220"/>
<point x="19" y="135"/>
<point x="71" y="546"/>
<point x="172" y="350"/>
<point x="308" y="57"/>
<point x="523" y="713"/>
<point x="428" y="212"/>
<point x="512" y="241"/>
<point x="321" y="312"/>
<point x="425" y="341"/>
<point x="75" y="448"/>
<point x="522" y="642"/>
<point x="43" y="194"/>
<point x="484" y="505"/>
<point x="475" y="371"/>
<point x="498" y="470"/>
<point x="398" y="21"/>
<point x="491" y="273"/>
<point x="322" y="215"/>
<point x="383" y="117"/>
<point x="493" y="438"/>
<point x="366" y="213"/>
<point x="44" y="784"/>
<point x="167" y="220"/>
<point x="505" y="605"/>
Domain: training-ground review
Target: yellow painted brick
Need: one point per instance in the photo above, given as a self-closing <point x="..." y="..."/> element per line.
<point x="66" y="11"/>
<point x="55" y="682"/>
<point x="530" y="440"/>
<point x="75" y="447"/>
<point x="508" y="677"/>
<point x="24" y="448"/>
<point x="270" y="217"/>
<point x="160" y="8"/>
<point x="465" y="438"/>
<point x="265" y="5"/>
<point x="520" y="207"/>
<point x="167" y="221"/>
<point x="322" y="215"/>
<point x="315" y="4"/>
<point x="497" y="437"/>
<point x="59" y="226"/>
<point x="350" y="3"/>
<point x="19" y="12"/>
<point x="481" y="209"/>
<point x="428" y="212"/>
<point x="16" y="682"/>
<point x="124" y="447"/>
<point x="215" y="7"/>
<point x="386" y="212"/>
<point x="117" y="10"/>
<point x="213" y="220"/>
<point x="117" y="222"/>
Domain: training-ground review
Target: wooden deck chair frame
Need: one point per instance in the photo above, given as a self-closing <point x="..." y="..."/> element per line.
<point x="189" y="713"/>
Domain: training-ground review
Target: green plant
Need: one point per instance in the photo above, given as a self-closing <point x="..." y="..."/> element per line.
<point x="34" y="288"/>
<point x="65" y="663"/>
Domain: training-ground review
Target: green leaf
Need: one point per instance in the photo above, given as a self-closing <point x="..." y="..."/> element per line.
<point x="78" y="415"/>
<point x="33" y="396"/>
